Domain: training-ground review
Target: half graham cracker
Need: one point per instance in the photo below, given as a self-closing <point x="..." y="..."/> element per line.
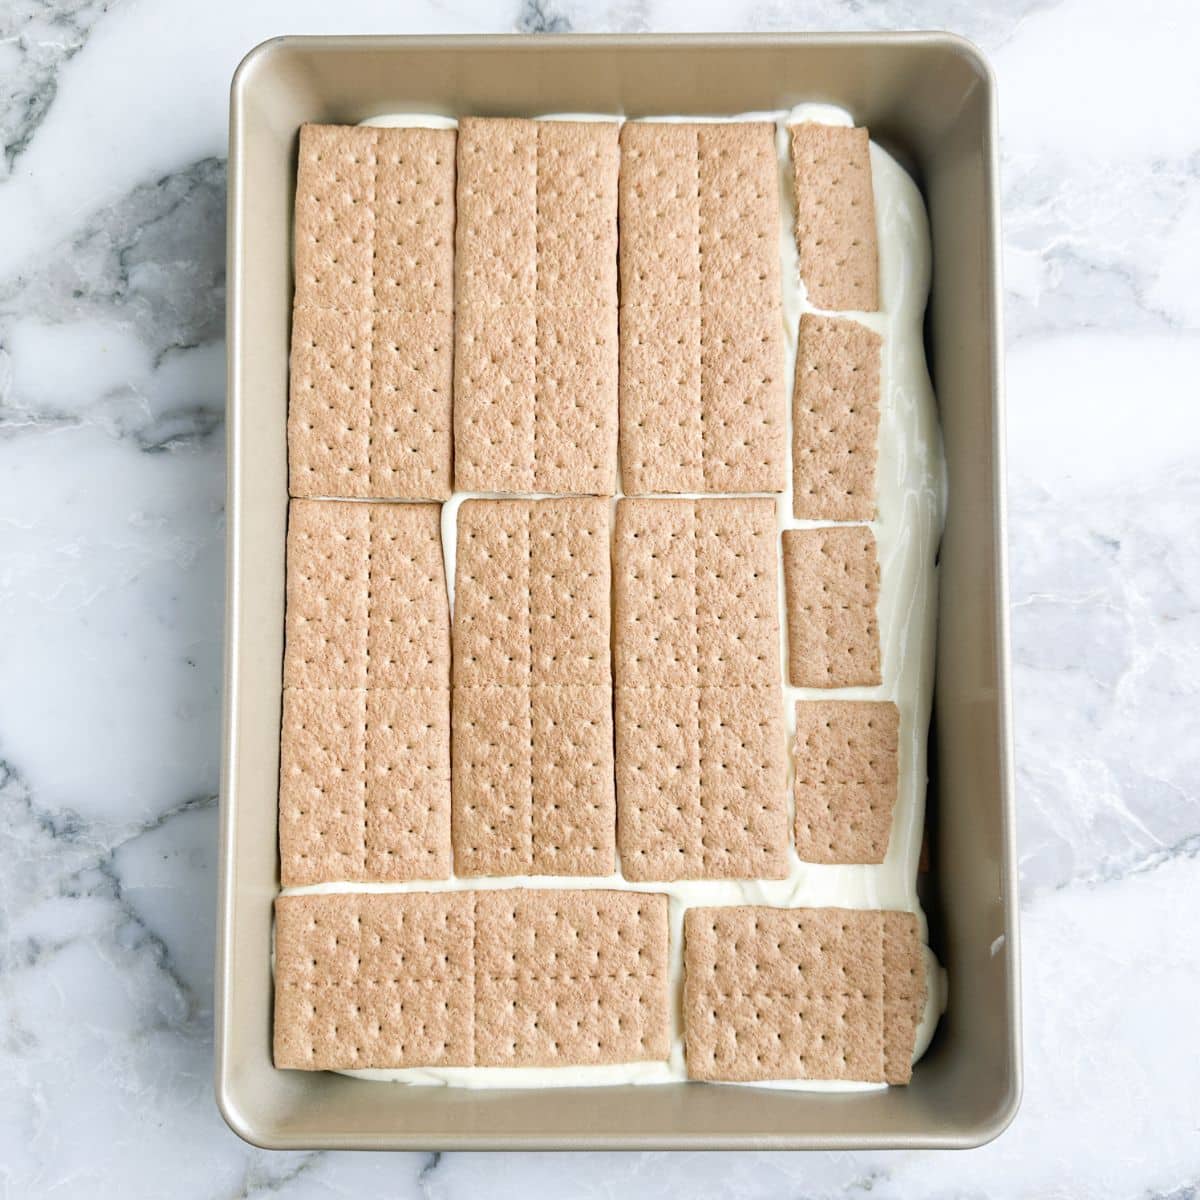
<point x="835" y="420"/>
<point x="845" y="779"/>
<point x="570" y="977"/>
<point x="702" y="362"/>
<point x="835" y="216"/>
<point x="375" y="980"/>
<point x="364" y="779"/>
<point x="776" y="993"/>
<point x="831" y="580"/>
<point x="701" y="788"/>
<point x="369" y="411"/>
<point x="520" y="978"/>
<point x="533" y="760"/>
<point x="535" y="361"/>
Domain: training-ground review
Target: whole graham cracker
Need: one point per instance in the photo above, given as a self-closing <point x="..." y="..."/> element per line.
<point x="845" y="779"/>
<point x="776" y="993"/>
<point x="835" y="420"/>
<point x="532" y="745"/>
<point x="700" y="745"/>
<point x="375" y="980"/>
<point x="535" y="363"/>
<point x="369" y="411"/>
<point x="835" y="216"/>
<point x="701" y="373"/>
<point x="364" y="779"/>
<point x="527" y="977"/>
<point x="570" y="977"/>
<point x="831" y="579"/>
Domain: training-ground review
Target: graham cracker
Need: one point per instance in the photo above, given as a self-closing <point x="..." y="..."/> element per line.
<point x="364" y="779"/>
<point x="375" y="980"/>
<point x="904" y="987"/>
<point x="528" y="977"/>
<point x="702" y="363"/>
<point x="835" y="216"/>
<point x="845" y="779"/>
<point x="570" y="977"/>
<point x="700" y="745"/>
<point x="831" y="577"/>
<point x="535" y="364"/>
<point x="329" y="405"/>
<point x="369" y="411"/>
<point x="777" y="993"/>
<point x="835" y="420"/>
<point x="532" y="746"/>
<point x="335" y="217"/>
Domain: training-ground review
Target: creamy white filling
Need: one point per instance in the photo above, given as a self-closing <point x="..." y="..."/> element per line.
<point x="907" y="530"/>
<point x="412" y="121"/>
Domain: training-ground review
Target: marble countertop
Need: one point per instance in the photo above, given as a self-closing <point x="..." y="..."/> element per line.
<point x="113" y="117"/>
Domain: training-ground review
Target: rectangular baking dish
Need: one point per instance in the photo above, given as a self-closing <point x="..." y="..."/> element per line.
<point x="930" y="99"/>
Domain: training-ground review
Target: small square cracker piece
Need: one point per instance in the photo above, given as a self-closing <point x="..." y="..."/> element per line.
<point x="533" y="763"/>
<point x="702" y="361"/>
<point x="701" y="772"/>
<point x="835" y="420"/>
<point x="831" y="580"/>
<point x="364" y="771"/>
<point x="845" y="779"/>
<point x="532" y="977"/>
<point x="535" y="363"/>
<point x="835" y="216"/>
<point x="369" y="410"/>
<point x="778" y="993"/>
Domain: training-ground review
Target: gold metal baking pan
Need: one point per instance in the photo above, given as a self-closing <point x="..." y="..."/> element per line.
<point x="930" y="99"/>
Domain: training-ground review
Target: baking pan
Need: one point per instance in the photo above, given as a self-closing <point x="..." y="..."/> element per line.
<point x="930" y="100"/>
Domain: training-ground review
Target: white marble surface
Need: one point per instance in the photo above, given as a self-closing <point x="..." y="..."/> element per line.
<point x="111" y="526"/>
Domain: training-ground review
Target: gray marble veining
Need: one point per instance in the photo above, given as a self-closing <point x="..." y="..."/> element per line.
<point x="111" y="536"/>
<point x="46" y="36"/>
